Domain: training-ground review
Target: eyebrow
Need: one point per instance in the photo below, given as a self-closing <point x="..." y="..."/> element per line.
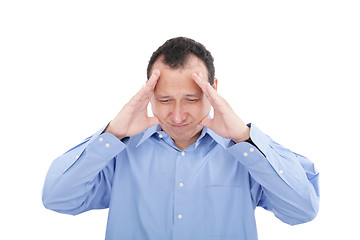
<point x="194" y="95"/>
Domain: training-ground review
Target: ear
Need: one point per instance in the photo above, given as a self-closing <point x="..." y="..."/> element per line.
<point x="215" y="84"/>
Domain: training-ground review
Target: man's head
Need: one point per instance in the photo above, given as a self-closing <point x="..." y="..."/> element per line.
<point x="176" y="51"/>
<point x="178" y="102"/>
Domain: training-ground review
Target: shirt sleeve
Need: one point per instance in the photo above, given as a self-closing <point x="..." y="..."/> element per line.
<point x="283" y="182"/>
<point x="81" y="178"/>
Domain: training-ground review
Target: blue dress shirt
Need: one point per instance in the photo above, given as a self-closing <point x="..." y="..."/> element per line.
<point x="208" y="191"/>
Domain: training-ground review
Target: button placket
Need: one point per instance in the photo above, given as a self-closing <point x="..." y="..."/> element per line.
<point x="180" y="193"/>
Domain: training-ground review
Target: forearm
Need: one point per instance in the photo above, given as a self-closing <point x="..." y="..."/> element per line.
<point x="288" y="180"/>
<point x="78" y="177"/>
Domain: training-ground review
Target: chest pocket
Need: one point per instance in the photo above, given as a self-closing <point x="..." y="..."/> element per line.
<point x="223" y="212"/>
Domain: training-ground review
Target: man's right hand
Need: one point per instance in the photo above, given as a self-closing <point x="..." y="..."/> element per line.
<point x="133" y="118"/>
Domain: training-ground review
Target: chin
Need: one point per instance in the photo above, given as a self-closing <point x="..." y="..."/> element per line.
<point x="185" y="135"/>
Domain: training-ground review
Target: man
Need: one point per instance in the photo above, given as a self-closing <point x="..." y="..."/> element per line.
<point x="181" y="174"/>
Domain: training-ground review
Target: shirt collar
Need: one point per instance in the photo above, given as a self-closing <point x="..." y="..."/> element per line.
<point x="220" y="140"/>
<point x="224" y="142"/>
<point x="148" y="133"/>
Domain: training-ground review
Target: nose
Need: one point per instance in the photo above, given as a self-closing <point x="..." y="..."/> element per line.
<point x="178" y="115"/>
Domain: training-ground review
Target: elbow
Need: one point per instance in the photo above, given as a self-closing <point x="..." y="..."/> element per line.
<point x="299" y="212"/>
<point x="306" y="214"/>
<point x="59" y="205"/>
<point x="307" y="207"/>
<point x="46" y="203"/>
<point x="311" y="209"/>
<point x="59" y="209"/>
<point x="46" y="200"/>
<point x="307" y="217"/>
<point x="311" y="212"/>
<point x="49" y="202"/>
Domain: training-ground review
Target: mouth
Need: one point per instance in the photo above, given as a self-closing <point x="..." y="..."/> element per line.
<point x="178" y="125"/>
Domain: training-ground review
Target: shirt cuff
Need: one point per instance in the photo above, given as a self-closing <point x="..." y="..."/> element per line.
<point x="259" y="139"/>
<point x="105" y="144"/>
<point x="253" y="149"/>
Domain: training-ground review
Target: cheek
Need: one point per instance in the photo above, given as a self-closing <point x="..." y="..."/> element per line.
<point x="201" y="110"/>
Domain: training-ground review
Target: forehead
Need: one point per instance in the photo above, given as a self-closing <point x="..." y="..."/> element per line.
<point x="179" y="81"/>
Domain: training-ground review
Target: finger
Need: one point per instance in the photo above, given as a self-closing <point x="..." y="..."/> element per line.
<point x="199" y="81"/>
<point x="147" y="90"/>
<point x="151" y="83"/>
<point x="210" y="93"/>
<point x="138" y="96"/>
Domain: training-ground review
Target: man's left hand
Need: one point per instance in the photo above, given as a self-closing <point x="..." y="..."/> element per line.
<point x="225" y="122"/>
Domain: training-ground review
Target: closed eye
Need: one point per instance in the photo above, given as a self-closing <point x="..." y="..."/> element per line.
<point x="193" y="100"/>
<point x="164" y="100"/>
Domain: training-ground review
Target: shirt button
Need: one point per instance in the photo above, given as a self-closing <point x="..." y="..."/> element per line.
<point x="245" y="154"/>
<point x="179" y="216"/>
<point x="160" y="136"/>
<point x="251" y="149"/>
<point x="101" y="139"/>
<point x="107" y="145"/>
<point x="183" y="153"/>
<point x="281" y="171"/>
<point x="181" y="184"/>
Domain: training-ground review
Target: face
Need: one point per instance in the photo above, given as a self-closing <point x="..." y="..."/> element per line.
<point x="179" y="103"/>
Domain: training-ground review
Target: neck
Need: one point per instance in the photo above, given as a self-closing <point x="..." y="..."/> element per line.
<point x="183" y="144"/>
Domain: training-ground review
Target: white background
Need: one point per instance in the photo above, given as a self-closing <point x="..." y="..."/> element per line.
<point x="67" y="68"/>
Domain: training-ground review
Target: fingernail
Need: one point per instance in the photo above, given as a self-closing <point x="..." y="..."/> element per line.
<point x="201" y="75"/>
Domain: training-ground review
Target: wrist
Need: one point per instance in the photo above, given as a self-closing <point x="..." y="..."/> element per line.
<point x="111" y="129"/>
<point x="244" y="137"/>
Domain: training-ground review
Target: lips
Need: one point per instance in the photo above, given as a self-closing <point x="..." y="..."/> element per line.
<point x="178" y="125"/>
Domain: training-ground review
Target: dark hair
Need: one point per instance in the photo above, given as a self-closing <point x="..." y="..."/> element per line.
<point x="176" y="51"/>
